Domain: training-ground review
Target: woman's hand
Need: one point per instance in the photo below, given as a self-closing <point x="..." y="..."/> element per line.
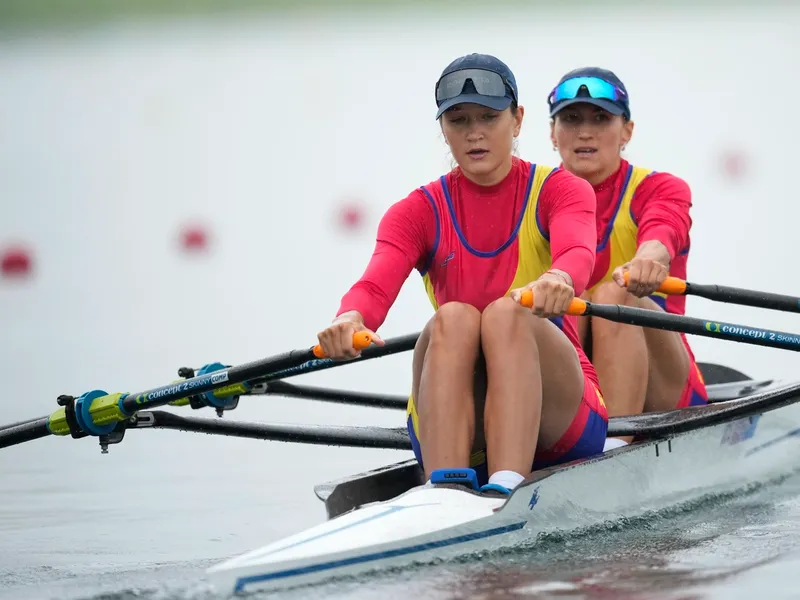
<point x="337" y="339"/>
<point x="552" y="294"/>
<point x="645" y="276"/>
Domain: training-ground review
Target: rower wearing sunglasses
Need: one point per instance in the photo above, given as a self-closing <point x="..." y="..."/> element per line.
<point x="497" y="389"/>
<point x="643" y="228"/>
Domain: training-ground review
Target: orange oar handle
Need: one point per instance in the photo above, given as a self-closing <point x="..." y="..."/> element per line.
<point x="361" y="340"/>
<point x="577" y="307"/>
<point x="672" y="285"/>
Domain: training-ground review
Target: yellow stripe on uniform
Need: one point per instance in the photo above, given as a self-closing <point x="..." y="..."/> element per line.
<point x="624" y="231"/>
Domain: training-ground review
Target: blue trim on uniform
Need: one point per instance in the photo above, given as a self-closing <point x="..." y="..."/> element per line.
<point x="601" y="246"/>
<point x="376" y="556"/>
<point x="432" y="253"/>
<point x="660" y="300"/>
<point x="591" y="442"/>
<point x="539" y="225"/>
<point x="415" y="446"/>
<point x="696" y="399"/>
<point x="460" y="233"/>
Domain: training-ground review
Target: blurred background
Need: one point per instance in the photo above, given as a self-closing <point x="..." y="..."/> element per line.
<point x="190" y="182"/>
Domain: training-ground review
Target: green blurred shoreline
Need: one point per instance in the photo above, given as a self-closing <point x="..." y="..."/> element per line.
<point x="24" y="13"/>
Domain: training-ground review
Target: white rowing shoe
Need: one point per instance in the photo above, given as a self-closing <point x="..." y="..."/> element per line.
<point x="429" y="523"/>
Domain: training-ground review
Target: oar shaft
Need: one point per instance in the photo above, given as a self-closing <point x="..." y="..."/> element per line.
<point x="744" y="297"/>
<point x="662" y="320"/>
<point x="97" y="412"/>
<point x="402" y="343"/>
<point x="18" y="423"/>
<point x="263" y="368"/>
<point x="282" y="388"/>
<point x="205" y="383"/>
<point x="731" y="295"/>
<point x="341" y="435"/>
<point x="24" y="432"/>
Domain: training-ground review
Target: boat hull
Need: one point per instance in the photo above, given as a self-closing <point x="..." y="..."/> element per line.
<point x="427" y="524"/>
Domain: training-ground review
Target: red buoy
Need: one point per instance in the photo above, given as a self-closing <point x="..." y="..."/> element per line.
<point x="194" y="238"/>
<point x="15" y="262"/>
<point x="734" y="164"/>
<point x="351" y="217"/>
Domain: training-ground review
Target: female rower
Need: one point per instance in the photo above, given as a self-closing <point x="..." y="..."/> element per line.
<point x="643" y="228"/>
<point x="495" y="385"/>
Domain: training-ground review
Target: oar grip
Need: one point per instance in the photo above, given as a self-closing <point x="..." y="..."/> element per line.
<point x="361" y="340"/>
<point x="577" y="307"/>
<point x="671" y="286"/>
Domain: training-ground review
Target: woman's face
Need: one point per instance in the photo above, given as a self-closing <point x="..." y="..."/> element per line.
<point x="589" y="140"/>
<point x="481" y="140"/>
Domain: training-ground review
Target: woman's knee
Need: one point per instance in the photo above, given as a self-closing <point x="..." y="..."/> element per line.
<point x="502" y="313"/>
<point x="455" y="321"/>
<point x="505" y="317"/>
<point x="611" y="293"/>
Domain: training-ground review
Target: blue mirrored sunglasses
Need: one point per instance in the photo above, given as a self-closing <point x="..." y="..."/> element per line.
<point x="595" y="87"/>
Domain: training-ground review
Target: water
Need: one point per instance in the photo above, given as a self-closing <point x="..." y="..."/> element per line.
<point x="87" y="537"/>
<point x="113" y="136"/>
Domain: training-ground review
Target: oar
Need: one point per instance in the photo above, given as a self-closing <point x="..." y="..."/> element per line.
<point x="226" y="398"/>
<point x="332" y="435"/>
<point x="644" y="425"/>
<point x="678" y="287"/>
<point x="17" y="424"/>
<point x="662" y="320"/>
<point x="97" y="412"/>
<point x="282" y="388"/>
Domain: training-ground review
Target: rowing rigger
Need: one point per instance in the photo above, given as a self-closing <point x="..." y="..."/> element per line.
<point x="749" y="429"/>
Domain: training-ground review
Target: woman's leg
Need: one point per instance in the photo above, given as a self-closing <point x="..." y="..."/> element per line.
<point x="535" y="385"/>
<point x="639" y="368"/>
<point x="669" y="365"/>
<point x="619" y="356"/>
<point x="443" y="386"/>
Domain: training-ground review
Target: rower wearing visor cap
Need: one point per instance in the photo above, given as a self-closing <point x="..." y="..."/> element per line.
<point x="643" y="226"/>
<point x="498" y="389"/>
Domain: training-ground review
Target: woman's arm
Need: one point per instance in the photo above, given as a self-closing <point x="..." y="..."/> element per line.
<point x="567" y="206"/>
<point x="405" y="234"/>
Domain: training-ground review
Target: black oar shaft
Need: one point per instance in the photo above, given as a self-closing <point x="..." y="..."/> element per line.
<point x="337" y="396"/>
<point x="18" y="423"/>
<point x="754" y="298"/>
<point x="205" y="383"/>
<point x="24" y="432"/>
<point x="291" y="363"/>
<point x="402" y="343"/>
<point x="715" y="329"/>
<point x="287" y="364"/>
<point x="361" y="437"/>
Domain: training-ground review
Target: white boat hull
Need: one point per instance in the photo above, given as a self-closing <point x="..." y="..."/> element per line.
<point x="428" y="523"/>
